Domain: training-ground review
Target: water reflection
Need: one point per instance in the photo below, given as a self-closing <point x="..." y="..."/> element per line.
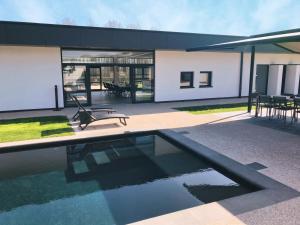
<point x="109" y="182"/>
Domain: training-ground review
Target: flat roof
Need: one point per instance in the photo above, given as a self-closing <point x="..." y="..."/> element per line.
<point x="289" y="40"/>
<point x="83" y="37"/>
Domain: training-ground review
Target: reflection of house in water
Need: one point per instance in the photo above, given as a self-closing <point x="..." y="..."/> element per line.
<point x="18" y="164"/>
<point x="212" y="193"/>
<point x="123" y="180"/>
<point x="128" y="161"/>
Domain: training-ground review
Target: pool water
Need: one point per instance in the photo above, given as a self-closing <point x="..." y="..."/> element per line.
<point x="112" y="181"/>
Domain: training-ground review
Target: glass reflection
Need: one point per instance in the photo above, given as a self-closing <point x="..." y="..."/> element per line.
<point x="114" y="181"/>
<point x="75" y="83"/>
<point x="107" y="57"/>
<point x="144" y="83"/>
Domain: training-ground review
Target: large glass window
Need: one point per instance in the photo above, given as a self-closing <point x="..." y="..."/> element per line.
<point x="108" y="75"/>
<point x="144" y="84"/>
<point x="107" y="57"/>
<point x="122" y="77"/>
<point x="75" y="83"/>
<point x="95" y="78"/>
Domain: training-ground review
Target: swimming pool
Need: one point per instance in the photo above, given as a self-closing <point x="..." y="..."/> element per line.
<point x="113" y="180"/>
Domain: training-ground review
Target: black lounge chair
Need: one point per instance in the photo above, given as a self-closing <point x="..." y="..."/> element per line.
<point x="93" y="109"/>
<point x="86" y="118"/>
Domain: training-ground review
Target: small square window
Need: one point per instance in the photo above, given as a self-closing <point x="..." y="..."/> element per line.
<point x="205" y="79"/>
<point x="186" y="79"/>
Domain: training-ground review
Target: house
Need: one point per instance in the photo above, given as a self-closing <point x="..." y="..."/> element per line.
<point x="43" y="64"/>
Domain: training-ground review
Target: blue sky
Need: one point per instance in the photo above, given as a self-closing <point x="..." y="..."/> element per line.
<point x="237" y="17"/>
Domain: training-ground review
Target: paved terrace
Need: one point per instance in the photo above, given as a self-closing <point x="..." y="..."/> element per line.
<point x="237" y="135"/>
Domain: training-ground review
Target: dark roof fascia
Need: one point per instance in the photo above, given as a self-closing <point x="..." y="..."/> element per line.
<point x="276" y="33"/>
<point x="114" y="29"/>
<point x="69" y="36"/>
<point x="249" y="42"/>
<point x="86" y="37"/>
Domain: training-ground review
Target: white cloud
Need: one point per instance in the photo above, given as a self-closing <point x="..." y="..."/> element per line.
<point x="182" y="15"/>
<point x="100" y="13"/>
<point x="272" y="15"/>
<point x="239" y="17"/>
<point x="33" y="11"/>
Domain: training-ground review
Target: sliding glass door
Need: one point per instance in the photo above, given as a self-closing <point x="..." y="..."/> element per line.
<point x="76" y="83"/>
<point x="143" y="80"/>
<point x="118" y="83"/>
<point x="97" y="77"/>
<point x="110" y="84"/>
<point x="107" y="76"/>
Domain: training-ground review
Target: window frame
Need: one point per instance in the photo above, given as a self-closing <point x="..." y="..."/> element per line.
<point x="191" y="81"/>
<point x="210" y="74"/>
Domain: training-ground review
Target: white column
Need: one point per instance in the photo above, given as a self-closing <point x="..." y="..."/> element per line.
<point x="275" y="79"/>
<point x="292" y="79"/>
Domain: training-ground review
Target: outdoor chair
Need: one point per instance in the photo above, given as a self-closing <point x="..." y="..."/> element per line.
<point x="93" y="109"/>
<point x="281" y="106"/>
<point x="108" y="87"/>
<point x="296" y="108"/>
<point x="105" y="86"/>
<point x="254" y="102"/>
<point x="265" y="101"/>
<point x="86" y="118"/>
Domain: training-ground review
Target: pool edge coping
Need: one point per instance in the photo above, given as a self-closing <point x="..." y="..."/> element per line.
<point x="271" y="192"/>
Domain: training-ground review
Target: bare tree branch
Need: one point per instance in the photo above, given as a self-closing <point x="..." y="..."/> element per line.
<point x="68" y="21"/>
<point x="113" y="24"/>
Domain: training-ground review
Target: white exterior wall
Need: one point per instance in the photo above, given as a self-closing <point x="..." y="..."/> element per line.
<point x="275" y="79"/>
<point x="225" y="69"/>
<point x="265" y="58"/>
<point x="28" y="76"/>
<point x="292" y="79"/>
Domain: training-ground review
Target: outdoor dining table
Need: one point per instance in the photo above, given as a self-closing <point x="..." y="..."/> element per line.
<point x="289" y="99"/>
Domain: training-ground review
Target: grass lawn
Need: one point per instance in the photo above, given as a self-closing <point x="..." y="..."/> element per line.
<point x="207" y="109"/>
<point x="34" y="128"/>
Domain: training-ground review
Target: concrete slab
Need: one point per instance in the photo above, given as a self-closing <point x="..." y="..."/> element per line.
<point x="236" y="135"/>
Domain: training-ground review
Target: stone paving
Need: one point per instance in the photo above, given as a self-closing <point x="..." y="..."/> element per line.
<point x="236" y="134"/>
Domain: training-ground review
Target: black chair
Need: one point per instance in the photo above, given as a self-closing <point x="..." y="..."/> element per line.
<point x="93" y="109"/>
<point x="281" y="106"/>
<point x="254" y="101"/>
<point x="105" y="86"/>
<point x="109" y="88"/>
<point x="296" y="108"/>
<point x="265" y="101"/>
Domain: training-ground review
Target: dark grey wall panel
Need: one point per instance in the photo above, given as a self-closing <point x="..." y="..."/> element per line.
<point x="125" y="39"/>
<point x="69" y="36"/>
<point x="154" y="40"/>
<point x="97" y="38"/>
<point x="28" y="35"/>
<point x="2" y="34"/>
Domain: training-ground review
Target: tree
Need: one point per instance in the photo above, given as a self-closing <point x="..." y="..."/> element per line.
<point x="68" y="21"/>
